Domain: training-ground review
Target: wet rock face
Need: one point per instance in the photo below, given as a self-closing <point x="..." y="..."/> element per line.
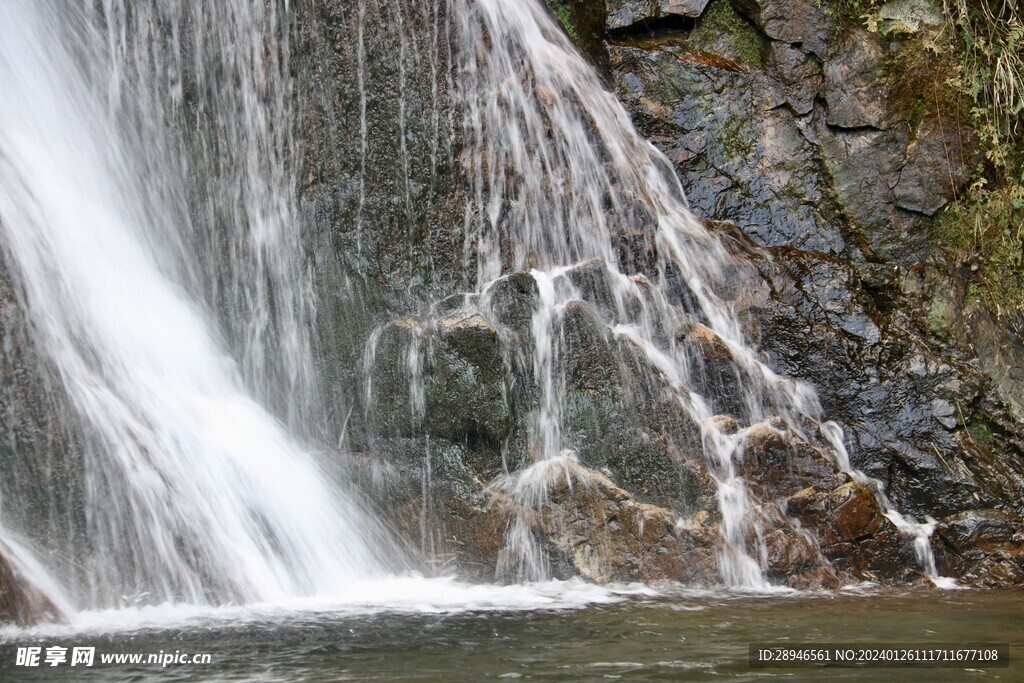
<point x="375" y="136"/>
<point x="444" y="379"/>
<point x="854" y="86"/>
<point x="814" y="149"/>
<point x="911" y="402"/>
<point x="810" y="151"/>
<point x="853" y="534"/>
<point x="41" y="456"/>
<point x="636" y="500"/>
<point x="985" y="546"/>
<point x="776" y="464"/>
<point x="778" y="122"/>
<point x="625" y="13"/>
<point x="596" y="530"/>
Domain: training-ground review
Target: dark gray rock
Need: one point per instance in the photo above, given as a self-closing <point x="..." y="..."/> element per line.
<point x="749" y="162"/>
<point x="465" y="385"/>
<point x="985" y="546"/>
<point x="512" y="300"/>
<point x="798" y="22"/>
<point x="854" y="87"/>
<point x="625" y="13"/>
<point x="445" y="379"/>
<point x="614" y="417"/>
<point x="799" y="72"/>
<point x="936" y="167"/>
<point x="863" y="165"/>
<point x="784" y="125"/>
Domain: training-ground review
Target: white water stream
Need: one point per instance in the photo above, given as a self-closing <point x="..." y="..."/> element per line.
<point x="194" y="490"/>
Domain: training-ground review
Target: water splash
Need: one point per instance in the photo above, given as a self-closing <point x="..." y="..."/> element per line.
<point x="204" y="96"/>
<point x="559" y="177"/>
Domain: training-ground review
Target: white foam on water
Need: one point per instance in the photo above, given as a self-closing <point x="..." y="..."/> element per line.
<point x="399" y="595"/>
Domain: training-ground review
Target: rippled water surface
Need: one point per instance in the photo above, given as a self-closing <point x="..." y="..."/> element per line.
<point x="435" y="630"/>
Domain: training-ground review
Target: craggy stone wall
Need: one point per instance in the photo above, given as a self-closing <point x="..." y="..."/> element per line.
<point x="377" y="141"/>
<point x="799" y="139"/>
<point x="833" y="149"/>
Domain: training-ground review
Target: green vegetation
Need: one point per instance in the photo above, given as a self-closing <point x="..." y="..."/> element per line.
<point x="990" y="34"/>
<point x="988" y="38"/>
<point x="562" y="12"/>
<point x="968" y="71"/>
<point x="988" y="224"/>
<point x="981" y="433"/>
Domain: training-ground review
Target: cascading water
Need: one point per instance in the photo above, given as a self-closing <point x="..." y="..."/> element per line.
<point x="129" y="240"/>
<point x="558" y="177"/>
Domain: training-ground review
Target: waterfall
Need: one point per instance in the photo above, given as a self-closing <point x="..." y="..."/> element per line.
<point x="559" y="177"/>
<point x="147" y="213"/>
<point x="150" y="224"/>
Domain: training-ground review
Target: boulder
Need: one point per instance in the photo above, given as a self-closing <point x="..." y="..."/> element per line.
<point x="512" y="301"/>
<point x="714" y="374"/>
<point x="465" y="388"/>
<point x="778" y="465"/>
<point x="803" y="22"/>
<point x="853" y="533"/>
<point x="446" y="379"/>
<point x="983" y="547"/>
<point x="595" y="529"/>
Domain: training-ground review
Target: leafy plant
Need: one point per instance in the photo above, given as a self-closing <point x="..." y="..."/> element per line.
<point x="989" y="221"/>
<point x="988" y="226"/>
<point x="991" y="34"/>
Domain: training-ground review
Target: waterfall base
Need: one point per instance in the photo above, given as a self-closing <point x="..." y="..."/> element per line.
<point x="22" y="602"/>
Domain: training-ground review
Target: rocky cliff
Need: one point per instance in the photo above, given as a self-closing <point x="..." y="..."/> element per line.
<point x="800" y="142"/>
<point x="834" y="149"/>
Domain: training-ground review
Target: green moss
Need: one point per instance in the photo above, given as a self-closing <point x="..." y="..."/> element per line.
<point x="970" y="75"/>
<point x="849" y="14"/>
<point x="736" y="135"/>
<point x="972" y="293"/>
<point x="562" y="12"/>
<point x="981" y="433"/>
<point x="720" y="25"/>
<point x="941" y="316"/>
<point x="917" y="76"/>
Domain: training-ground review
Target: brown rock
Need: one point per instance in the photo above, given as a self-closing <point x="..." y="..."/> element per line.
<point x="983" y="548"/>
<point x="777" y="465"/>
<point x="856" y="512"/>
<point x="854" y="534"/>
<point x="726" y="424"/>
<point x="21" y="601"/>
<point x="604" y="535"/>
